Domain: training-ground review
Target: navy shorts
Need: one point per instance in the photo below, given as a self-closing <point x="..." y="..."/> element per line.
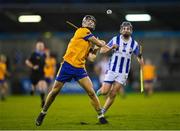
<point x="48" y="80"/>
<point x="2" y="81"/>
<point x="67" y="72"/>
<point x="149" y="81"/>
<point x="35" y="78"/>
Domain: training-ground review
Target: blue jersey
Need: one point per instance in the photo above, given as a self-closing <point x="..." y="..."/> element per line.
<point x="121" y="58"/>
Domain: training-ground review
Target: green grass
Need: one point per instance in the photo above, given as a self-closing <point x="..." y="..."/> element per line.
<point x="160" y="111"/>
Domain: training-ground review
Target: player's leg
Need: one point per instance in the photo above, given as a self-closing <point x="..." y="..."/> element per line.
<point x="52" y="94"/>
<point x="108" y="81"/>
<point x="34" y="81"/>
<point x="88" y="86"/>
<point x="111" y="96"/>
<point x="49" y="82"/>
<point x="49" y="100"/>
<point x="32" y="90"/>
<point x="122" y="79"/>
<point x="62" y="77"/>
<point x="3" y="90"/>
<point x="122" y="92"/>
<point x="146" y="88"/>
<point x="42" y="87"/>
<point x="104" y="89"/>
<point x="149" y="88"/>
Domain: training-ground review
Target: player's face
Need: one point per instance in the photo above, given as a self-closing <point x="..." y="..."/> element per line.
<point x="40" y="46"/>
<point x="2" y="59"/>
<point x="89" y="23"/>
<point x="126" y="30"/>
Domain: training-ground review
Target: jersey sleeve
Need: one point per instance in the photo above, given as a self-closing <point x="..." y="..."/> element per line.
<point x="83" y="33"/>
<point x="112" y="42"/>
<point x="136" y="49"/>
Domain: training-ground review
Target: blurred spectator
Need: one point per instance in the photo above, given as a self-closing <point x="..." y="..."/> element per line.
<point x="166" y="57"/>
<point x="175" y="61"/>
<point x="101" y="68"/>
<point x="3" y="73"/>
<point x="50" y="67"/>
<point x="149" y="75"/>
<point x="171" y="60"/>
<point x="37" y="63"/>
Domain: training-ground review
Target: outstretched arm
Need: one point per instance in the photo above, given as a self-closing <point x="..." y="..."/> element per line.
<point x="30" y="64"/>
<point x="93" y="53"/>
<point x="110" y="46"/>
<point x="105" y="49"/>
<point x="97" y="42"/>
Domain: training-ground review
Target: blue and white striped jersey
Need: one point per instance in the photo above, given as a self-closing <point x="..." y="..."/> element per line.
<point x="121" y="58"/>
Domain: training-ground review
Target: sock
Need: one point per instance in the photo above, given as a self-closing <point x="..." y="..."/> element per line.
<point x="103" y="110"/>
<point x="98" y="93"/>
<point x="101" y="113"/>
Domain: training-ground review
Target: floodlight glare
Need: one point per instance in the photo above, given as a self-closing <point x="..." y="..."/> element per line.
<point x="138" y="17"/>
<point x="29" y="18"/>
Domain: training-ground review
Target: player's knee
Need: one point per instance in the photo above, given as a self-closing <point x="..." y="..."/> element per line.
<point x="105" y="88"/>
<point x="104" y="92"/>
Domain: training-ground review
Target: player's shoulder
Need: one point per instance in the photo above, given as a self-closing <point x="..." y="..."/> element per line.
<point x="82" y="32"/>
<point x="115" y="37"/>
<point x="35" y="54"/>
<point x="83" y="29"/>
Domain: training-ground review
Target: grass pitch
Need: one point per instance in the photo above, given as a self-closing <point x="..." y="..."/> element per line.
<point x="160" y="111"/>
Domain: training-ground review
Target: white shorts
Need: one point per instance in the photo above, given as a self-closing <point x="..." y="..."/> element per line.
<point x="111" y="76"/>
<point x="101" y="78"/>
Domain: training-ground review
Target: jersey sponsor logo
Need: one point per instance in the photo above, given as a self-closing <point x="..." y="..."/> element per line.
<point x="124" y="47"/>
